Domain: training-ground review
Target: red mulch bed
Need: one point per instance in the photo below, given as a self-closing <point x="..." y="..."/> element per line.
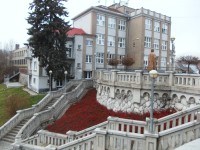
<point x="88" y="112"/>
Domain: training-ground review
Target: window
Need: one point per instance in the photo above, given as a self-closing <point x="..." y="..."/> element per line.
<point x="111" y="41"/>
<point x="89" y="42"/>
<point x="69" y="51"/>
<point x="78" y="65"/>
<point x="100" y="20"/>
<point x="100" y="39"/>
<point x="147" y="42"/>
<point x="35" y="65"/>
<point x="163" y="62"/>
<point x="148" y="24"/>
<point x="34" y="80"/>
<point x="145" y="61"/>
<point x="122" y="25"/>
<point x="88" y="59"/>
<point x="164" y="28"/>
<point x="156" y="44"/>
<point x="88" y="74"/>
<point x="79" y="47"/>
<point x="164" y="45"/>
<point x="121" y="42"/>
<point x="156" y="26"/>
<point x="100" y="58"/>
<point x="111" y="23"/>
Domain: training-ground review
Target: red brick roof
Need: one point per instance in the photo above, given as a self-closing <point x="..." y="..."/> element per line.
<point x="76" y="31"/>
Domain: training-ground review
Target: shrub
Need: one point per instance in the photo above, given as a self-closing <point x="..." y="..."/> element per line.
<point x="113" y="62"/>
<point x="127" y="61"/>
<point x="14" y="103"/>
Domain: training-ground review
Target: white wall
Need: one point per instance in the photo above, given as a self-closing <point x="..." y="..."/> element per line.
<point x="85" y="22"/>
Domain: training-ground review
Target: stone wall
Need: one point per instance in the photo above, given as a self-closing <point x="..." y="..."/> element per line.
<point x="116" y="93"/>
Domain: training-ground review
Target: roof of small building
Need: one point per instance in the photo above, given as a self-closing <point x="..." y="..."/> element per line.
<point x="76" y="31"/>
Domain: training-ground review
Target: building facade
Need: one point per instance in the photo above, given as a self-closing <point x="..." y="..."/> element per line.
<point x="123" y="31"/>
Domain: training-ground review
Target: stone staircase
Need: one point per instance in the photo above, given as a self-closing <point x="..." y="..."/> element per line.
<point x="49" y="104"/>
<point x="10" y="137"/>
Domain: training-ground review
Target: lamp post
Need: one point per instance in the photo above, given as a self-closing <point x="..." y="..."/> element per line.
<point x="173" y="52"/>
<point x="95" y="61"/>
<point x="108" y="52"/>
<point x="65" y="76"/>
<point x="153" y="74"/>
<point x="50" y="72"/>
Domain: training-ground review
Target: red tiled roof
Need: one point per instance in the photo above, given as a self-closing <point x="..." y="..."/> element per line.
<point x="76" y="31"/>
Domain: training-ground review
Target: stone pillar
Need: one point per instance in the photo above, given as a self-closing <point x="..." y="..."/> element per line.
<point x="198" y="116"/>
<point x="112" y="85"/>
<point x="114" y="75"/>
<point x="171" y="77"/>
<point x="138" y="76"/>
<point x="100" y="141"/>
<point x="101" y="75"/>
<point x="111" y="123"/>
<point x="151" y="138"/>
<point x="71" y="135"/>
<point x="151" y="141"/>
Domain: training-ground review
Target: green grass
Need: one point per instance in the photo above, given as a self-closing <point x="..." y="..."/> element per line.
<point x="6" y="92"/>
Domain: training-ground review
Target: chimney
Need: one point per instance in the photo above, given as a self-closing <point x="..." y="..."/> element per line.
<point x="16" y="46"/>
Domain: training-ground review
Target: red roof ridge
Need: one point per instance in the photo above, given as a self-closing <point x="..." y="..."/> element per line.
<point x="76" y="31"/>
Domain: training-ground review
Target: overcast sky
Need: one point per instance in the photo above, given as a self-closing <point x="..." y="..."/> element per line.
<point x="185" y="16"/>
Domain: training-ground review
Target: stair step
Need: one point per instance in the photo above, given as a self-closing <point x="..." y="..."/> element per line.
<point x="11" y="134"/>
<point x="8" y="140"/>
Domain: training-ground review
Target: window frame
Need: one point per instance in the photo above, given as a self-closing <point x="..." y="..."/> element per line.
<point x="164" y="28"/>
<point x="121" y="42"/>
<point x="111" y="41"/>
<point x="99" y="58"/>
<point x="157" y="26"/>
<point x="148" y="24"/>
<point x="147" y="42"/>
<point x="100" y="39"/>
<point x="100" y="20"/>
<point x="156" y="45"/>
<point x="122" y="25"/>
<point x="164" y="45"/>
<point x="111" y="22"/>
<point x="88" y="58"/>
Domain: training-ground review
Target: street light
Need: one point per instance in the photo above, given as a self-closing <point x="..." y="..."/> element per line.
<point x="173" y="52"/>
<point x="172" y="40"/>
<point x="50" y="72"/>
<point x="95" y="61"/>
<point x="153" y="74"/>
<point x="65" y="76"/>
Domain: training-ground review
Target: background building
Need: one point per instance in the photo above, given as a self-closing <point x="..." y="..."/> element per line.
<point x="121" y="30"/>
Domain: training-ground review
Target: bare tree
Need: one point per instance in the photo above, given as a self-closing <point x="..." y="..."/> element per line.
<point x="113" y="62"/>
<point x="128" y="61"/>
<point x="188" y="60"/>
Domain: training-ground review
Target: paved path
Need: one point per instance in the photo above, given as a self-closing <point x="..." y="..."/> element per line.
<point x="5" y="146"/>
<point x="193" y="145"/>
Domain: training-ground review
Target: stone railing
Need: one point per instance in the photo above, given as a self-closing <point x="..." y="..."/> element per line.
<point x="176" y="119"/>
<point x="53" y="112"/>
<point x="122" y="134"/>
<point x="168" y="78"/>
<point x="27" y="113"/>
<point x="126" y="125"/>
<point x="21" y="114"/>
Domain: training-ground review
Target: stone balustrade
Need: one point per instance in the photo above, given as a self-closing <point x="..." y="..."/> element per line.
<point x="53" y="112"/>
<point x="87" y="131"/>
<point x="21" y="114"/>
<point x="126" y="125"/>
<point x="130" y="91"/>
<point x="176" y="119"/>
